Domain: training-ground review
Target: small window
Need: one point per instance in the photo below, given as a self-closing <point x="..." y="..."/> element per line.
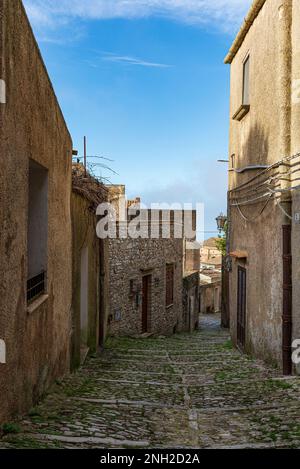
<point x="37" y="230"/>
<point x="245" y="106"/>
<point x="169" y="285"/>
<point x="246" y="75"/>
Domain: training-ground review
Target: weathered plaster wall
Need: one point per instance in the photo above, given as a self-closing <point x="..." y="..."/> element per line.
<point x="210" y="298"/>
<point x="32" y="127"/>
<point x="130" y="259"/>
<point x="190" y="302"/>
<point x="257" y="139"/>
<point x="84" y="236"/>
<point x="295" y="148"/>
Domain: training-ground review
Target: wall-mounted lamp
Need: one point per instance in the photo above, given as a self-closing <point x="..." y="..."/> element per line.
<point x="221" y="220"/>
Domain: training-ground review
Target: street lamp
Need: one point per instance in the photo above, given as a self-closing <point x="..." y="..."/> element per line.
<point x="221" y="221"/>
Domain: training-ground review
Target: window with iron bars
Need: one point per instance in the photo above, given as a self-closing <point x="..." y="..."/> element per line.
<point x="36" y="286"/>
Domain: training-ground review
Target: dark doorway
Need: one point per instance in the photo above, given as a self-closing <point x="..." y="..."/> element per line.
<point x="241" y="307"/>
<point x="146" y="303"/>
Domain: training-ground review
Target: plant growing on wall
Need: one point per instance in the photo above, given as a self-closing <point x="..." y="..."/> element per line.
<point x="222" y="240"/>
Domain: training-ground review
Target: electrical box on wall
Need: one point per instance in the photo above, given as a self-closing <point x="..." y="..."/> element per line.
<point x="2" y="352"/>
<point x="297" y="218"/>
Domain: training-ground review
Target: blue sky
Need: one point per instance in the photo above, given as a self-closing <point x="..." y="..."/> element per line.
<point x="144" y="80"/>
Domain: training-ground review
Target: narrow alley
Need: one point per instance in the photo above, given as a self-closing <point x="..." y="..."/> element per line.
<point x="187" y="391"/>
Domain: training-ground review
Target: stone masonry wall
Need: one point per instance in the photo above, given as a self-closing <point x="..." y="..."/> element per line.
<point x="130" y="260"/>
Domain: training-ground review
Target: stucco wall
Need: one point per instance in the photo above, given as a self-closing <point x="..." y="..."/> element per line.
<point x="295" y="148"/>
<point x="84" y="237"/>
<point x="257" y="140"/>
<point x="32" y="127"/>
<point x="130" y="259"/>
<point x="190" y="302"/>
<point x="210" y="298"/>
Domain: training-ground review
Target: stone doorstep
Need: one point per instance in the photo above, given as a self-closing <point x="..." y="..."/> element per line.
<point x="213" y="409"/>
<point x="88" y="440"/>
<point x="200" y="356"/>
<point x="120" y="402"/>
<point x="271" y="445"/>
<point x="166" y="362"/>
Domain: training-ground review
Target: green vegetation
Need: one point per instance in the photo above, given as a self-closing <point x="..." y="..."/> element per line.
<point x="222" y="240"/>
<point x="228" y="345"/>
<point x="10" y="428"/>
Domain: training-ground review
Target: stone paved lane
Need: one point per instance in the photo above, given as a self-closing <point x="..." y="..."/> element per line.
<point x="184" y="391"/>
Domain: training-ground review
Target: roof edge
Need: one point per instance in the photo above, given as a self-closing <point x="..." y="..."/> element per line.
<point x="249" y="20"/>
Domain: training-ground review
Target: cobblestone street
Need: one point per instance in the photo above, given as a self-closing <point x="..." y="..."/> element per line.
<point x="187" y="391"/>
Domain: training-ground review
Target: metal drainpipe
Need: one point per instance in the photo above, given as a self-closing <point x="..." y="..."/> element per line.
<point x="285" y="79"/>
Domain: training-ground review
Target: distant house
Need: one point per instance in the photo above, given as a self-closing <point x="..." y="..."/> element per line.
<point x="210" y="291"/>
<point x="36" y="236"/>
<point x="210" y="256"/>
<point x="145" y="277"/>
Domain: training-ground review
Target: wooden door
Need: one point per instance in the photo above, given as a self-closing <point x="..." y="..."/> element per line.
<point x="146" y="302"/>
<point x="241" y="307"/>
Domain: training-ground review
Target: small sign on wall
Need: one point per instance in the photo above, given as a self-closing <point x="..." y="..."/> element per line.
<point x="2" y="92"/>
<point x="2" y="352"/>
<point x="118" y="315"/>
<point x="297" y="218"/>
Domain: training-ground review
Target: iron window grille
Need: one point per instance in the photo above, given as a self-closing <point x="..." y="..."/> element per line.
<point x="36" y="286"/>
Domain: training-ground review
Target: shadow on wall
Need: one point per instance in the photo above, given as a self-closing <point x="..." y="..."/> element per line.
<point x="256" y="147"/>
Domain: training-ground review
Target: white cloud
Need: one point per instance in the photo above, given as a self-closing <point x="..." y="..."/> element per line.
<point x="127" y="60"/>
<point x="224" y="14"/>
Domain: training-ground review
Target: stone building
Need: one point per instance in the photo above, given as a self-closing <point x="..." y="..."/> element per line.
<point x="210" y="291"/>
<point x="145" y="280"/>
<point x="88" y="302"/>
<point x="35" y="241"/>
<point x="210" y="256"/>
<point x="264" y="198"/>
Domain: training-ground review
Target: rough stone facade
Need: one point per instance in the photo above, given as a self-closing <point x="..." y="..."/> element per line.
<point x="129" y="261"/>
<point x="144" y="272"/>
<point x="210" y="254"/>
<point x="32" y="128"/>
<point x="268" y="132"/>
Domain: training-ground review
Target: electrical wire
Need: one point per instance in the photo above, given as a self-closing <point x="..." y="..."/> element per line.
<point x="272" y="166"/>
<point x="258" y="215"/>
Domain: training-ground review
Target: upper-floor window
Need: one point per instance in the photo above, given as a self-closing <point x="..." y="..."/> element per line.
<point x="246" y="76"/>
<point x="244" y="107"/>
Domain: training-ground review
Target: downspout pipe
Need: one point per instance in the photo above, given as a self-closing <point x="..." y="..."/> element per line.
<point x="285" y="83"/>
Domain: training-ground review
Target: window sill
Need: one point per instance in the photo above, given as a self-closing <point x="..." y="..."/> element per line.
<point x="36" y="304"/>
<point x="241" y="112"/>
